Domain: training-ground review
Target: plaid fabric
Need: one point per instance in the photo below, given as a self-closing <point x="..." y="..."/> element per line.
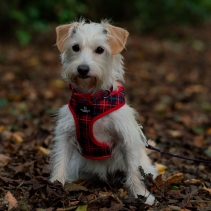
<point x="86" y="109"/>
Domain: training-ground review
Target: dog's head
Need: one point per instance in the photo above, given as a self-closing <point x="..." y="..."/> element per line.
<point x="90" y="54"/>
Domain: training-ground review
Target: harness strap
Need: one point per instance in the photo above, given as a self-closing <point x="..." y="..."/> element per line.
<point x="89" y="98"/>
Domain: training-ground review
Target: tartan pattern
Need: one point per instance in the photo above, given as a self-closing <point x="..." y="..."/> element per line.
<point x="86" y="114"/>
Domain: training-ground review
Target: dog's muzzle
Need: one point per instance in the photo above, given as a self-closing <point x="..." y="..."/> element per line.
<point x="83" y="71"/>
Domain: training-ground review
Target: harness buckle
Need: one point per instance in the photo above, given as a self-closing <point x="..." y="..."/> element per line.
<point x="109" y="92"/>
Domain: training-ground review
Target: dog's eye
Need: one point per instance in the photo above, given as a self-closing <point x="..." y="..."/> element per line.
<point x="99" y="50"/>
<point x="76" y="48"/>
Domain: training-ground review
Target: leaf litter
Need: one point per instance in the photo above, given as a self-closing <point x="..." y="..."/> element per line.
<point x="167" y="82"/>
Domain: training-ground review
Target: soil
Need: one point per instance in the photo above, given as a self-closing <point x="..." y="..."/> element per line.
<point x="168" y="81"/>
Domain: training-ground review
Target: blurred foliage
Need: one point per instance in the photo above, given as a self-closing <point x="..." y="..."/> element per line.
<point x="158" y="14"/>
<point x="22" y="18"/>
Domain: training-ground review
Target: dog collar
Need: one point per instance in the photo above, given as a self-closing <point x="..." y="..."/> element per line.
<point x="82" y="98"/>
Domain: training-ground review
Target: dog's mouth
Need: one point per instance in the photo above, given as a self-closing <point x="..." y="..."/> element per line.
<point x="84" y="76"/>
<point x="85" y="83"/>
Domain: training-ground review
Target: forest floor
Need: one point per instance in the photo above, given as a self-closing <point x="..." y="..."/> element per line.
<point x="168" y="81"/>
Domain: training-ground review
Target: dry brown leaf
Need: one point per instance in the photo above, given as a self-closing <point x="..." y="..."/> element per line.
<point x="198" y="182"/>
<point x="185" y="209"/>
<point x="175" y="133"/>
<point x="12" y="202"/>
<point x="9" y="76"/>
<point x="45" y="151"/>
<point x="6" y="134"/>
<point x="2" y="128"/>
<point x="194" y="89"/>
<point x="175" y="178"/>
<point x="59" y="83"/>
<point x="17" y="137"/>
<point x="198" y="141"/>
<point x="159" y="181"/>
<point x="194" y="182"/>
<point x="74" y="187"/>
<point x="123" y="193"/>
<point x="161" y="168"/>
<point x="201" y="204"/>
<point x="103" y="194"/>
<point x="4" y="160"/>
<point x="48" y="94"/>
<point x="208" y="131"/>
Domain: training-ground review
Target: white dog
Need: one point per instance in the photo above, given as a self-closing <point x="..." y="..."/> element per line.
<point x="96" y="132"/>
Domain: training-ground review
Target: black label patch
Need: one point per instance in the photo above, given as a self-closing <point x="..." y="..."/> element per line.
<point x="84" y="109"/>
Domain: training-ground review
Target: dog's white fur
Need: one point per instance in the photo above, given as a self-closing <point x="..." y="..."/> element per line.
<point x="120" y="126"/>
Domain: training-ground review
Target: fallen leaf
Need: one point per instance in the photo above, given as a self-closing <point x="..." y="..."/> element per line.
<point x="48" y="94"/>
<point x="4" y="160"/>
<point x="82" y="208"/>
<point x="45" y="151"/>
<point x="201" y="204"/>
<point x="198" y="141"/>
<point x="2" y="128"/>
<point x="9" y="76"/>
<point x="114" y="207"/>
<point x="208" y="131"/>
<point x="161" y="168"/>
<point x="66" y="209"/>
<point x="24" y="167"/>
<point x="6" y="134"/>
<point x="123" y="193"/>
<point x="103" y="194"/>
<point x="175" y="133"/>
<point x="194" y="182"/>
<point x="91" y="197"/>
<point x="173" y="208"/>
<point x="74" y="187"/>
<point x="59" y="83"/>
<point x="12" y="202"/>
<point x="159" y="181"/>
<point x="193" y="89"/>
<point x="198" y="182"/>
<point x="17" y="137"/>
<point x="175" y="178"/>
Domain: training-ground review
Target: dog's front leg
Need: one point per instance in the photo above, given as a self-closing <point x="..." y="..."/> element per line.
<point x="133" y="180"/>
<point x="61" y="155"/>
<point x="62" y="145"/>
<point x="128" y="131"/>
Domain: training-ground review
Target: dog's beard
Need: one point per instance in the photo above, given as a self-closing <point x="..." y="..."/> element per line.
<point x="89" y="84"/>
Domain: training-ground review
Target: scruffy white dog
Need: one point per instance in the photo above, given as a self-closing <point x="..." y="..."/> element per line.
<point x="96" y="132"/>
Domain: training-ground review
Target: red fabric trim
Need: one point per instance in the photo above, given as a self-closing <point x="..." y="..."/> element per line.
<point x="117" y="91"/>
<point x="96" y="158"/>
<point x="101" y="144"/>
<point x="76" y="120"/>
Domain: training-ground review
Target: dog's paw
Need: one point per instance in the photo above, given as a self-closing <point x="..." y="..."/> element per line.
<point x="150" y="200"/>
<point x="53" y="179"/>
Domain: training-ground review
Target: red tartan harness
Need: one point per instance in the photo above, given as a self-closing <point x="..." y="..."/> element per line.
<point x="86" y="109"/>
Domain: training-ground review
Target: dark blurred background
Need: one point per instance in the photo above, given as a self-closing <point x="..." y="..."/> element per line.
<point x="167" y="80"/>
<point x="21" y="19"/>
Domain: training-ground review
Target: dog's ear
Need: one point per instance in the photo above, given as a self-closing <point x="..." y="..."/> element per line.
<point x="61" y="35"/>
<point x="117" y="39"/>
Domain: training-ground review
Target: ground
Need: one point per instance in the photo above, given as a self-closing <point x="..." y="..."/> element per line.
<point x="168" y="81"/>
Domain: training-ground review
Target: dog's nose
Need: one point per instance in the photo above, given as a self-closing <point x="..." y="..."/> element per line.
<point x="83" y="70"/>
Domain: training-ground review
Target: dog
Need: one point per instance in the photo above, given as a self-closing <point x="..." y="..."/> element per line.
<point x="96" y="132"/>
